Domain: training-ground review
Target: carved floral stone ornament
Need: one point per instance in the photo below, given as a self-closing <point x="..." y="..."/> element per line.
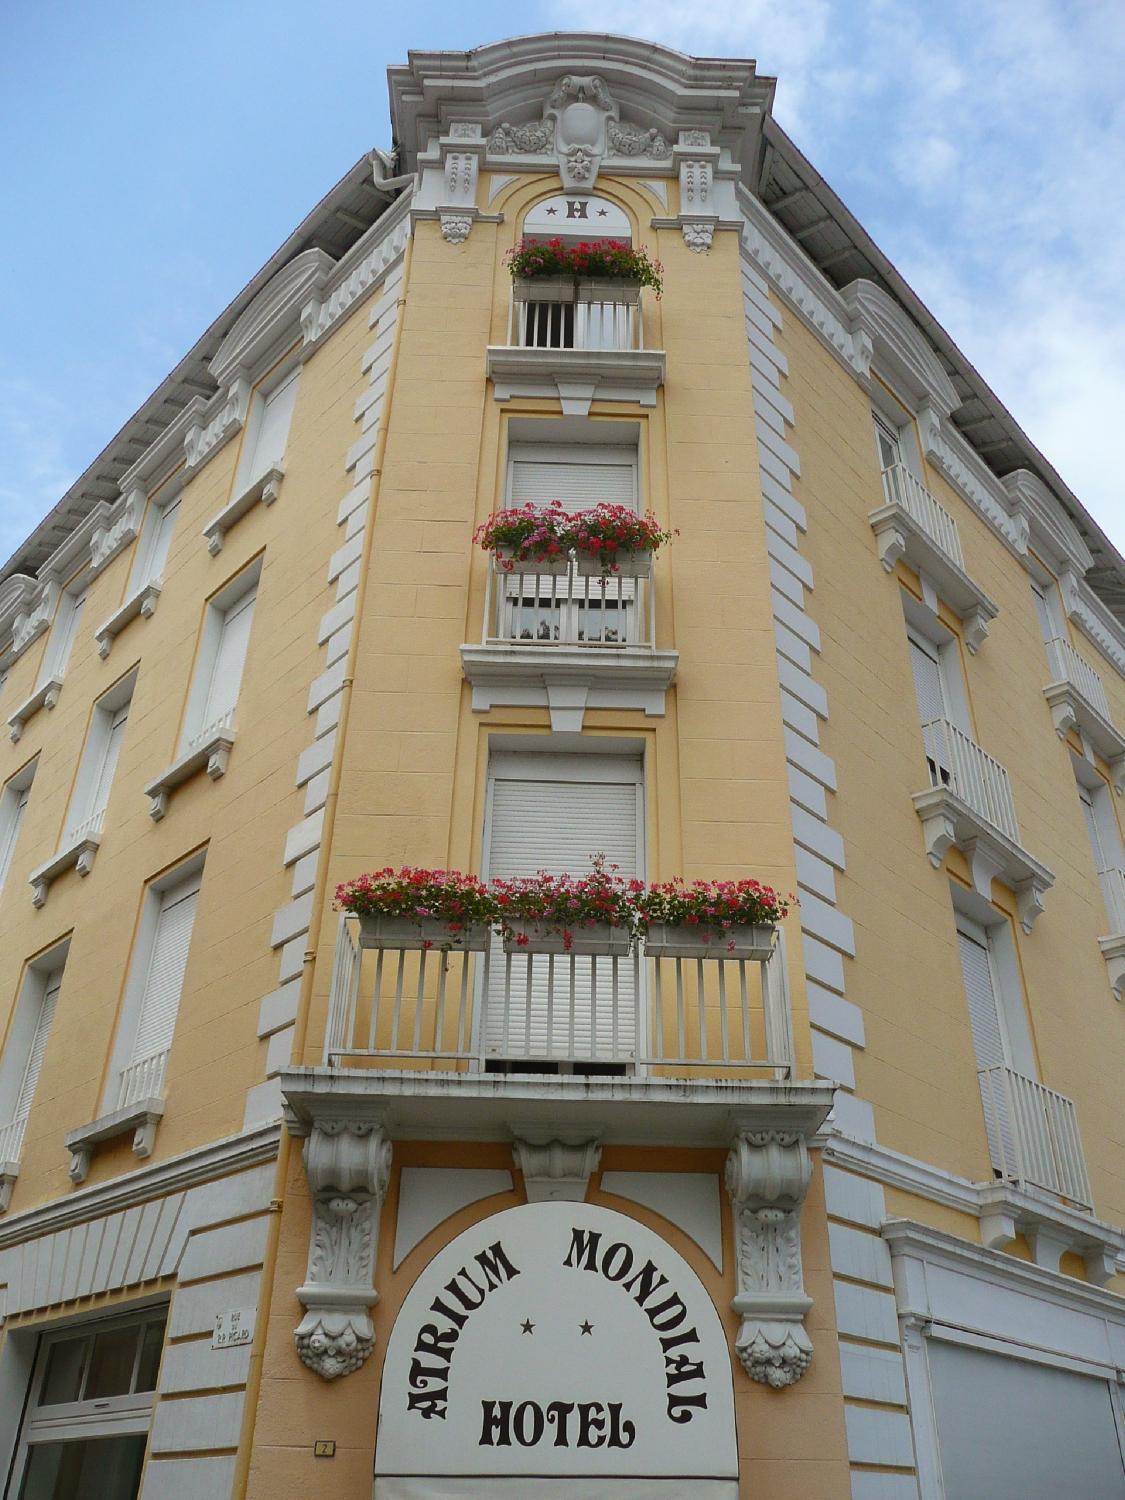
<point x="767" y="1176"/>
<point x="348" y="1163"/>
<point x="455" y="228"/>
<point x="581" y="123"/>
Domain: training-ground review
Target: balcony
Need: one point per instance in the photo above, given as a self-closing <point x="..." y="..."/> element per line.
<point x="914" y="528"/>
<point x="969" y="806"/>
<point x="569" y="643"/>
<point x="1078" y="702"/>
<point x="79" y="847"/>
<point x="139" y="1110"/>
<point x="631" y="1047"/>
<point x="11" y="1144"/>
<point x="1033" y="1136"/>
<point x="577" y="341"/>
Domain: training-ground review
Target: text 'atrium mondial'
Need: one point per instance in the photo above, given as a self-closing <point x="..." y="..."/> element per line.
<point x="562" y="898"/>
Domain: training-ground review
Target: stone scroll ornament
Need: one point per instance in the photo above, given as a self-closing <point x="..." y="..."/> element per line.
<point x="348" y="1163"/>
<point x="581" y="124"/>
<point x="767" y="1176"/>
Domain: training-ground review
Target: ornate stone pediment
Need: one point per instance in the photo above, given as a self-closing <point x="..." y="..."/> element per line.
<point x="581" y="125"/>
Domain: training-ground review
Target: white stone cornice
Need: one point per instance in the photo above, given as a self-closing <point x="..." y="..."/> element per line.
<point x="116" y="530"/>
<point x="899" y="348"/>
<point x="223" y="416"/>
<point x="363" y="267"/>
<point x="231" y="1154"/>
<point x="971" y="477"/>
<point x="1052" y="535"/>
<point x="165" y="454"/>
<point x="273" y="318"/>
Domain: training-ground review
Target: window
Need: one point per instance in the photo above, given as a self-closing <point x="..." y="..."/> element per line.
<point x="1001" y="1039"/>
<point x="554" y="813"/>
<point x="155" y="984"/>
<point x="99" y="761"/>
<point x="572" y="609"/>
<point x="156" y="538"/>
<point x="939" y="689"/>
<point x="268" y="431"/>
<point x="92" y="1394"/>
<point x="218" y="675"/>
<point x="1105" y="843"/>
<point x="25" y="1048"/>
<point x="62" y="638"/>
<point x="13" y="804"/>
<point x="1048" y="609"/>
<point x="888" y="443"/>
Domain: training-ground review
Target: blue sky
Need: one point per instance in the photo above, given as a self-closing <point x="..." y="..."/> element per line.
<point x="156" y="155"/>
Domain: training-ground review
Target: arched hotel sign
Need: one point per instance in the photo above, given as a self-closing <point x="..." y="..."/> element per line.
<point x="552" y="1342"/>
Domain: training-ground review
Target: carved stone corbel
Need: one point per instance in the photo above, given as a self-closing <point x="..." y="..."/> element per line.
<point x="556" y="1171"/>
<point x="976" y="629"/>
<point x="767" y="1176"/>
<point x="348" y="1163"/>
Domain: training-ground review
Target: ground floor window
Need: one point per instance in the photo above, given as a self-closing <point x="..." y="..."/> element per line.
<point x="89" y="1410"/>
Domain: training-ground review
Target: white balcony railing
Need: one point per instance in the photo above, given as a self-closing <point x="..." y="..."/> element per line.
<point x="1112" y="882"/>
<point x="900" y="487"/>
<point x="959" y="763"/>
<point x="1068" y="666"/>
<point x="222" y="725"/>
<point x="623" y="1014"/>
<point x="89" y="828"/>
<point x="11" y="1139"/>
<point x="1033" y="1135"/>
<point x="549" y="314"/>
<point x="530" y="609"/>
<point x="143" y="1079"/>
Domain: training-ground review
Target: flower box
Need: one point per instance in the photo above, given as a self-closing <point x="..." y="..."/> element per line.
<point x="624" y="565"/>
<point x="421" y="932"/>
<point x="541" y="567"/>
<point x="689" y="940"/>
<point x="599" y="940"/>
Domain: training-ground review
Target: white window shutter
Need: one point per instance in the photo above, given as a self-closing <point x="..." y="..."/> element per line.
<point x="166" y="965"/>
<point x="229" y="660"/>
<point x="15" y="804"/>
<point x="988" y="1044"/>
<point x="102" y="780"/>
<point x="558" y="826"/>
<point x="161" y="540"/>
<point x="272" y="432"/>
<point x="57" y="655"/>
<point x="927" y="681"/>
<point x="34" y="1065"/>
<point x="577" y="477"/>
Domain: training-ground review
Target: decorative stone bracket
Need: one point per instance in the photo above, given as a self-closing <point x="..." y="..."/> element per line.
<point x="556" y="1171"/>
<point x="767" y="1176"/>
<point x="348" y="1163"/>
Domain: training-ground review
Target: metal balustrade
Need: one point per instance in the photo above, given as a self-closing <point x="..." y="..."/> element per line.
<point x="563" y="609"/>
<point x="630" y="1013"/>
<point x="1033" y="1135"/>
<point x="959" y="763"/>
<point x="11" y="1139"/>
<point x="546" y="314"/>
<point x="1068" y="666"/>
<point x="143" y="1079"/>
<point x="902" y="488"/>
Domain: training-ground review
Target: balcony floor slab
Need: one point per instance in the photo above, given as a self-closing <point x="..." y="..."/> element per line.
<point x="424" y="1105"/>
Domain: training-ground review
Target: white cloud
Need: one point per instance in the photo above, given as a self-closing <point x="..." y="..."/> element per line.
<point x="981" y="146"/>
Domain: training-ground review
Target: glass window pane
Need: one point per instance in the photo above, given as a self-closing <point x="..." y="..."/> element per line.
<point x="151" y="1346"/>
<point x="64" y="1371"/>
<point x="93" y="1469"/>
<point x="111" y="1363"/>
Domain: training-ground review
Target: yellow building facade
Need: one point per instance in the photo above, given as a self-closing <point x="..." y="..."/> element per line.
<point x="293" y="1208"/>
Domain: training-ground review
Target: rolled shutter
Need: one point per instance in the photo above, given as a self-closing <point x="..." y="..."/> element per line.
<point x="162" y="540"/>
<point x="558" y="826"/>
<point x="34" y="1064"/>
<point x="164" y="980"/>
<point x="230" y="658"/>
<point x="577" y="478"/>
<point x="927" y="681"/>
<point x="988" y="1044"/>
<point x="57" y="655"/>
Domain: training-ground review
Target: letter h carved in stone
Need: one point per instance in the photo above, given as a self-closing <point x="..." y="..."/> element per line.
<point x="348" y="1163"/>
<point x="767" y="1176"/>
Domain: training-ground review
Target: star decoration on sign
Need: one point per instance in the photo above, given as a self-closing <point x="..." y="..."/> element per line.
<point x="603" y="213"/>
<point x="586" y="1328"/>
<point x="551" y="212"/>
<point x="528" y="1326"/>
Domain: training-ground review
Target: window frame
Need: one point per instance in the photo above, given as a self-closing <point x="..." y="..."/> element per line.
<point x="143" y="572"/>
<point x="12" y="812"/>
<point x="195" y="728"/>
<point x="249" y="471"/>
<point x="103" y="718"/>
<point x="38" y="975"/>
<point x="63" y="633"/>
